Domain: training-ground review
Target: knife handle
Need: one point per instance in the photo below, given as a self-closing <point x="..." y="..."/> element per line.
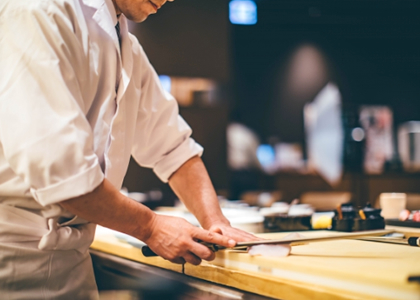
<point x="414" y="241"/>
<point x="147" y="252"/>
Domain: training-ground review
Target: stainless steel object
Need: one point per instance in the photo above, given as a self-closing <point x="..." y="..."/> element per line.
<point x="409" y="145"/>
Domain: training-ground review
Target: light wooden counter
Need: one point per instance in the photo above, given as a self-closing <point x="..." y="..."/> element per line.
<point x="341" y="269"/>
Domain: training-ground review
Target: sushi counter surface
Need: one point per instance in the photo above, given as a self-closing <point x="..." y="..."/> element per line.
<point x="338" y="269"/>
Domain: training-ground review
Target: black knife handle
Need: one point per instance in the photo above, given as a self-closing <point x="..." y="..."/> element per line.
<point x="414" y="241"/>
<point x="147" y="252"/>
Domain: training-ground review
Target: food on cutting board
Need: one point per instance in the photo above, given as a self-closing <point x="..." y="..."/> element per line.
<point x="273" y="250"/>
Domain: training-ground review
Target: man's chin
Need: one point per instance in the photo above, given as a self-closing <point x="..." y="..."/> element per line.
<point x="136" y="19"/>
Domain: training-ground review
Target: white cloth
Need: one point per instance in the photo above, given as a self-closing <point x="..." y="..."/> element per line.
<point x="73" y="107"/>
<point x="29" y="273"/>
<point x="325" y="133"/>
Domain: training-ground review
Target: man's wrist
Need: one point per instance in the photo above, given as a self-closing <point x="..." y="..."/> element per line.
<point x="212" y="220"/>
<point x="144" y="226"/>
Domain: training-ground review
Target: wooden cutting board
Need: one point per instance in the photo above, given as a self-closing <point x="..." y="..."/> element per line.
<point x="340" y="269"/>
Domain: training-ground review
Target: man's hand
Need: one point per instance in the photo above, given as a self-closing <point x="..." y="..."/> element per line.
<point x="176" y="240"/>
<point x="234" y="233"/>
<point x="193" y="186"/>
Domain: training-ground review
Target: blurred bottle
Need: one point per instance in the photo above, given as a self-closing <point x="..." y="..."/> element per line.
<point x="379" y="151"/>
<point x="354" y="139"/>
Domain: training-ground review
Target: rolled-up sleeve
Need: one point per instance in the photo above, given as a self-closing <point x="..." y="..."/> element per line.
<point x="162" y="138"/>
<point x="44" y="134"/>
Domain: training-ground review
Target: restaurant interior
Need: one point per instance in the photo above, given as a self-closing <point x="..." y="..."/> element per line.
<point x="261" y="76"/>
<point x="308" y="112"/>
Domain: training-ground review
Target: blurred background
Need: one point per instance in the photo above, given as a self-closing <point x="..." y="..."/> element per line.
<point x="292" y="98"/>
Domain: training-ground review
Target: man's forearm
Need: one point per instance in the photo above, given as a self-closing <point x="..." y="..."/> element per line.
<point x="106" y="206"/>
<point x="172" y="238"/>
<point x="193" y="186"/>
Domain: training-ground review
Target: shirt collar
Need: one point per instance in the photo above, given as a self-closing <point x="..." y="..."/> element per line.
<point x="109" y="4"/>
<point x="112" y="11"/>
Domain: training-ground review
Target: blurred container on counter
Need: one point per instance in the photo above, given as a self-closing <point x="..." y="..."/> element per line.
<point x="392" y="204"/>
<point x="284" y="217"/>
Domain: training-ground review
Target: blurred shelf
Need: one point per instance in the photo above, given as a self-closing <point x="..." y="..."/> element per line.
<point x="364" y="187"/>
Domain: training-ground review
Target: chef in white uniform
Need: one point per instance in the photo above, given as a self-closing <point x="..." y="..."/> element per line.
<point x="75" y="102"/>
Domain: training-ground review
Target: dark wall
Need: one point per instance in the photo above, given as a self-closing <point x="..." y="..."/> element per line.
<point x="188" y="38"/>
<point x="371" y="47"/>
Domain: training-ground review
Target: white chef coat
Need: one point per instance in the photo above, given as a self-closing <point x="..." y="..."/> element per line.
<point x="73" y="108"/>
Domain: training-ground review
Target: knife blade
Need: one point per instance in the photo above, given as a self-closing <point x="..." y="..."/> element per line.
<point x="291" y="241"/>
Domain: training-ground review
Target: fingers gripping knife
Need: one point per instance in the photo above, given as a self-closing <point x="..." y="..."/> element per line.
<point x="293" y="242"/>
<point x="213" y="247"/>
